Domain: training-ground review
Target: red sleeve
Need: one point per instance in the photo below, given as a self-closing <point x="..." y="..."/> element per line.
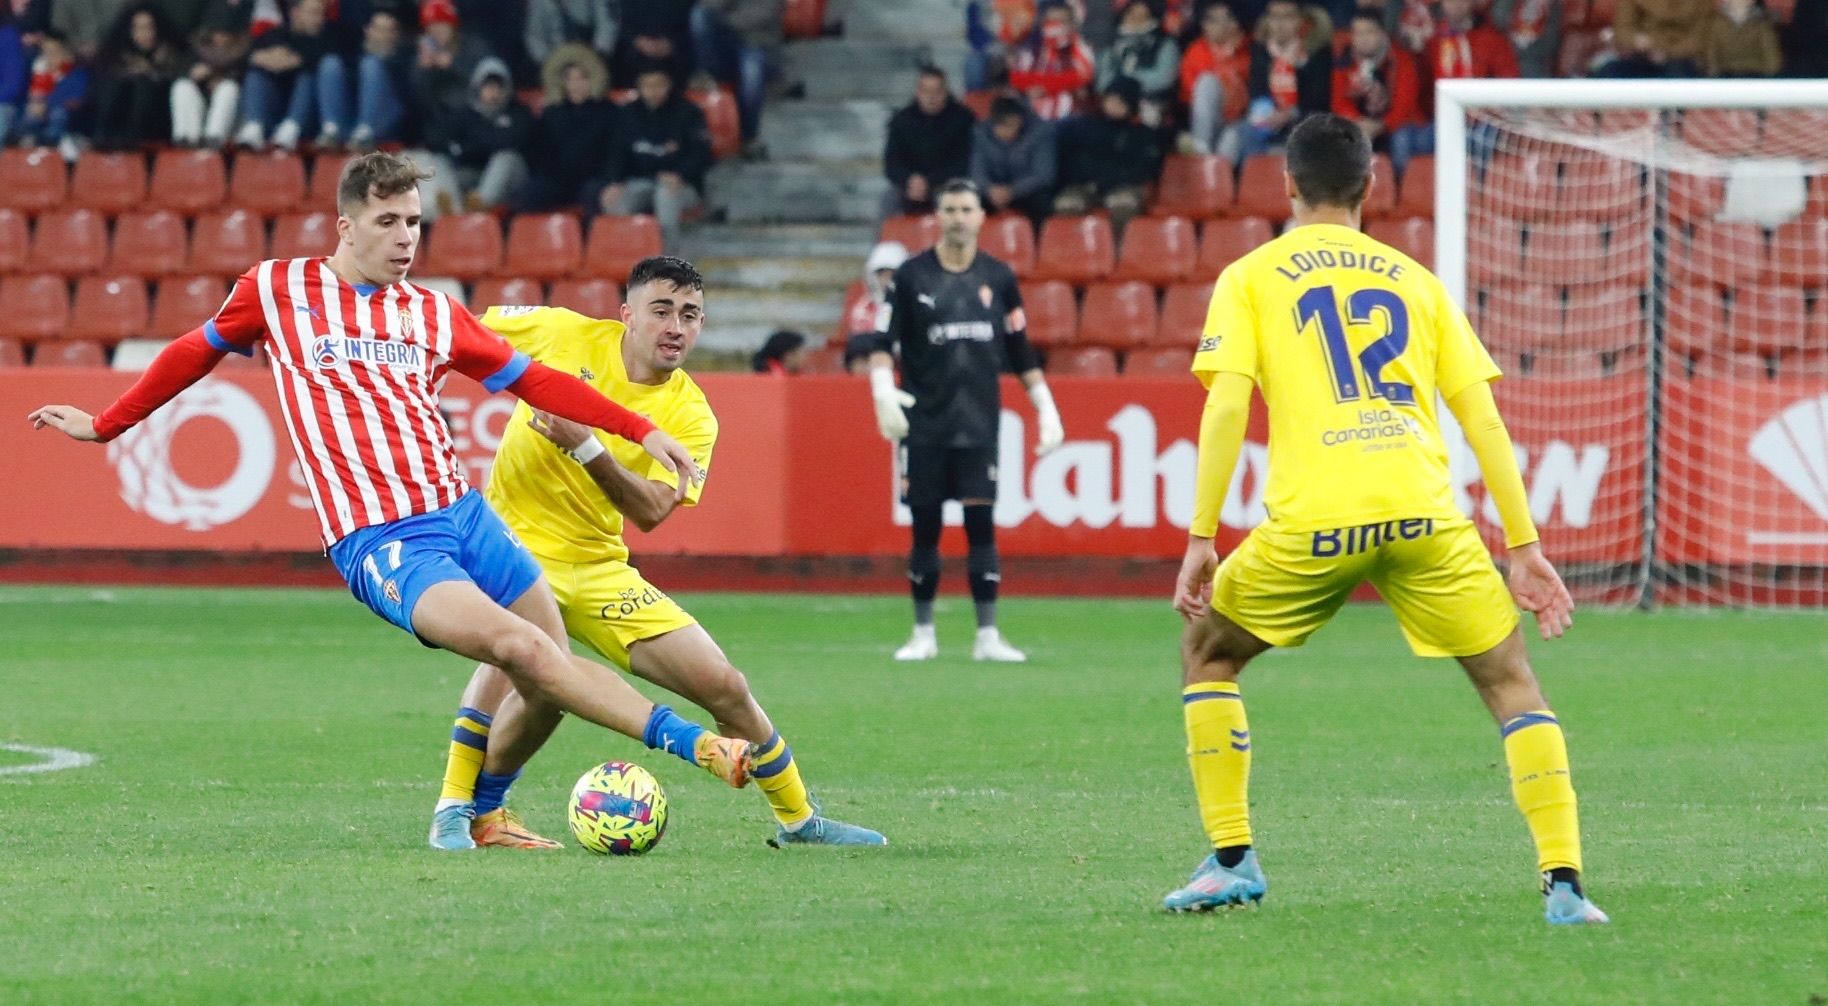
<point x="478" y="353"/>
<point x="1405" y="92"/>
<point x="178" y="366"/>
<point x="240" y="322"/>
<point x="484" y="356"/>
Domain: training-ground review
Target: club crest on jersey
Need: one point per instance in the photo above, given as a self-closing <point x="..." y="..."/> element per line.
<point x="406" y="324"/>
<point x="984" y="296"/>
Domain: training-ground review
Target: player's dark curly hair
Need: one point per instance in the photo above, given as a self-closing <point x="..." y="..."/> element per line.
<point x="377" y="175"/>
<point x="1330" y="160"/>
<point x="681" y="274"/>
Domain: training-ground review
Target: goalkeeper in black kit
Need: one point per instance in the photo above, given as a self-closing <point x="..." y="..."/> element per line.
<point x="954" y="315"/>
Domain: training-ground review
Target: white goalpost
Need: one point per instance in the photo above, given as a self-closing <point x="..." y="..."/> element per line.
<point x="1648" y="262"/>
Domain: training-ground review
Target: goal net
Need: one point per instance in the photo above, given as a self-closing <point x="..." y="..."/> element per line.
<point x="1648" y="263"/>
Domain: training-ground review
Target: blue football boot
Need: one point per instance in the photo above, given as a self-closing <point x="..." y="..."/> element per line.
<point x="822" y="830"/>
<point x="1214" y="886"/>
<point x="451" y="827"/>
<point x="1564" y="907"/>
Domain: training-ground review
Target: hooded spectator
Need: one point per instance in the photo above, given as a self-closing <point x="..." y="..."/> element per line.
<point x="1014" y="161"/>
<point x="572" y="141"/>
<point x="481" y="154"/>
<point x="929" y="144"/>
<point x="1056" y="67"/>
<point x="860" y="325"/>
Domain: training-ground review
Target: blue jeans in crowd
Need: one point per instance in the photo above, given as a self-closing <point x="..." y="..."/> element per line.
<point x="730" y="58"/>
<point x="377" y="103"/>
<point x="270" y="98"/>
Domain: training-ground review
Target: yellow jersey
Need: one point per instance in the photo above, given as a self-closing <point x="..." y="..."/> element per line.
<point x="551" y="503"/>
<point x="1348" y="341"/>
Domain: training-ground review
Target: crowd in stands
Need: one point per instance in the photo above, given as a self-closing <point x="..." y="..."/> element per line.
<point x="543" y="104"/>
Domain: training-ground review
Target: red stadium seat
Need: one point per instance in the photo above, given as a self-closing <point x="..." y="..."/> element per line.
<point x="32" y="180"/>
<point x="1223" y="242"/>
<point x="721" y="119"/>
<point x="304" y="235"/>
<point x="1184" y="315"/>
<point x="80" y="353"/>
<point x="1381" y="202"/>
<point x="1194" y="185"/>
<point x="226" y="243"/>
<point x="1695" y="321"/>
<point x="1768" y="320"/>
<point x="854" y="295"/>
<point x="1119" y="315"/>
<point x="109" y="308"/>
<point x="189" y="181"/>
<point x="185" y="302"/>
<point x="70" y="242"/>
<point x="12" y="353"/>
<point x="803" y="18"/>
<point x="1083" y="361"/>
<point x="34" y="307"/>
<point x="489" y="293"/>
<point x="15" y="241"/>
<point x="326" y="171"/>
<point x="1520" y="318"/>
<point x="1262" y="189"/>
<point x="1603" y="319"/>
<point x="1011" y="238"/>
<point x="544" y="246"/>
<point x="1053" y="316"/>
<point x="111" y="183"/>
<point x="269" y="184"/>
<point x="1078" y="250"/>
<point x="1721" y="254"/>
<point x="597" y="298"/>
<point x="465" y="246"/>
<point x="150" y="244"/>
<point x="1417" y="196"/>
<point x="1494" y="249"/>
<point x="1157" y="250"/>
<point x="1163" y="361"/>
<point x="1799" y="254"/>
<point x="1562" y="253"/>
<point x="915" y="233"/>
<point x="617" y="243"/>
<point x="1413" y="236"/>
<point x="979" y="102"/>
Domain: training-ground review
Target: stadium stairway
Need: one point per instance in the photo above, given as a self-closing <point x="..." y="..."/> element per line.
<point x="787" y="234"/>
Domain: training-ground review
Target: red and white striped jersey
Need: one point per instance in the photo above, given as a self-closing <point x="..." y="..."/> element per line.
<point x="358" y="370"/>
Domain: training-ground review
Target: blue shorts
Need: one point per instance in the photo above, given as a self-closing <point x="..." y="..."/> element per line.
<point x="388" y="566"/>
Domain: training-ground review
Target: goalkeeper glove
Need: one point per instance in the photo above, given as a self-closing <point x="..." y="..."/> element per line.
<point x="891" y="403"/>
<point x="1049" y="432"/>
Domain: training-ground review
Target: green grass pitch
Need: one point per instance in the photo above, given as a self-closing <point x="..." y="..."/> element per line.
<point x="253" y="829"/>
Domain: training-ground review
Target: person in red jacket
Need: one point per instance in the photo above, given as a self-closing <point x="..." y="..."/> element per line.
<point x="1056" y="67"/>
<point x="1464" y="45"/>
<point x="1215" y="77"/>
<point x="1377" y="87"/>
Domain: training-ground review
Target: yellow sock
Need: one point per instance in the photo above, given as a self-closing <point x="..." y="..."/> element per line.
<point x="469" y="742"/>
<point x="1218" y="750"/>
<point x="1538" y="757"/>
<point x="774" y="772"/>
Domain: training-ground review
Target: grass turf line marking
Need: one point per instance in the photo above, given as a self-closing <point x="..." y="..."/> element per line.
<point x="55" y="759"/>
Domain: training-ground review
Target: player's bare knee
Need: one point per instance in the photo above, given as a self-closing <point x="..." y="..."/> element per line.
<point x="727" y="690"/>
<point x="521" y="653"/>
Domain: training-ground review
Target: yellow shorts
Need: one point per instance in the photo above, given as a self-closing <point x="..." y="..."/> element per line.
<point x="1436" y="575"/>
<point x="609" y="607"/>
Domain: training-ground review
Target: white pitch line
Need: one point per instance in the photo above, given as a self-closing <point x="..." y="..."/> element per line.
<point x="55" y="759"/>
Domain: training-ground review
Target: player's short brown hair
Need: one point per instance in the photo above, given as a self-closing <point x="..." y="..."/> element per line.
<point x="1330" y="160"/>
<point x="376" y="175"/>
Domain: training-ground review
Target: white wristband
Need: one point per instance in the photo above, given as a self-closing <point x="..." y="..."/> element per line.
<point x="586" y="452"/>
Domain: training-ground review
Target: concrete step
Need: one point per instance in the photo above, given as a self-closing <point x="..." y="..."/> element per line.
<point x="841" y="130"/>
<point x="800" y="275"/>
<point x="937" y="21"/>
<point x="850" y="68"/>
<point x="768" y="241"/>
<point x="799" y="191"/>
<point x="739" y="319"/>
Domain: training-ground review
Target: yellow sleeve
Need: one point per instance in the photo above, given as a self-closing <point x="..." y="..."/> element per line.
<point x="1460" y="360"/>
<point x="1228" y="342"/>
<point x="528" y="329"/>
<point x="1221" y="439"/>
<point x="1477" y="412"/>
<point x="698" y="434"/>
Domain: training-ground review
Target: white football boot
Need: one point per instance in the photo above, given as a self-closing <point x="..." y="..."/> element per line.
<point x="992" y="646"/>
<point x="922" y="645"/>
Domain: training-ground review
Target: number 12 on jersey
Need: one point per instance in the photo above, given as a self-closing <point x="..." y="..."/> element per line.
<point x="1320" y="306"/>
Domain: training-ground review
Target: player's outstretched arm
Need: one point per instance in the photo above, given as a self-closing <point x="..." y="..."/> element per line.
<point x="178" y="366"/>
<point x="642" y="500"/>
<point x="1534" y="582"/>
<point x="1222" y="425"/>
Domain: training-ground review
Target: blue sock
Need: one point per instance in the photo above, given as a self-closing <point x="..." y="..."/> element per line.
<point x="492" y="790"/>
<point x="666" y="731"/>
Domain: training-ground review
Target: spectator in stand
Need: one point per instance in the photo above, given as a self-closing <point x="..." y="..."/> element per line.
<point x="736" y="41"/>
<point x="83" y="24"/>
<point x="279" y="93"/>
<point x="783" y="355"/>
<point x="1056" y="67"/>
<point x="563" y="33"/>
<point x="1742" y="41"/>
<point x="571" y="142"/>
<point x="1465" y="45"/>
<point x="658" y="161"/>
<point x="205" y="100"/>
<point x="655" y="35"/>
<point x="1110" y="158"/>
<point x="1014" y="160"/>
<point x="1659" y="38"/>
<point x="860" y="339"/>
<point x="1215" y="79"/>
<point x="15" y="69"/>
<point x="1534" y="27"/>
<point x="1378" y="88"/>
<point x="135" y="69"/>
<point x="447" y="57"/>
<point x="997" y="30"/>
<point x="929" y="144"/>
<point x="1145" y="54"/>
<point x="52" y="96"/>
<point x="379" y="108"/>
<point x="1287" y="81"/>
<point x="480" y="156"/>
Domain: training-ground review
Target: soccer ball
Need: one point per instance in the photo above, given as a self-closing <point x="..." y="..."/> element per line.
<point x="618" y="809"/>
